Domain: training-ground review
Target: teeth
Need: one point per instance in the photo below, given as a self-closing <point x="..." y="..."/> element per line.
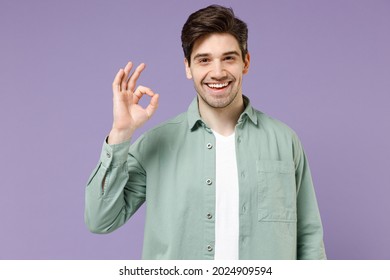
<point x="218" y="85"/>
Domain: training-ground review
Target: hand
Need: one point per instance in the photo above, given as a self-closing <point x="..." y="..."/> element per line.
<point x="128" y="114"/>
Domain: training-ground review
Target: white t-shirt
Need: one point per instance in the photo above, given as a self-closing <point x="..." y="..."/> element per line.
<point x="227" y="199"/>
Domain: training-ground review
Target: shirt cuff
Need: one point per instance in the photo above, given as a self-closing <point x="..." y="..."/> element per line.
<point x="114" y="155"/>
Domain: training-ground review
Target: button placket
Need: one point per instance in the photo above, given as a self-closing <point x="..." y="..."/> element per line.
<point x="209" y="193"/>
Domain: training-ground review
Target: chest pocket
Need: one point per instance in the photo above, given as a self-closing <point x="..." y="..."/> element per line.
<point x="276" y="191"/>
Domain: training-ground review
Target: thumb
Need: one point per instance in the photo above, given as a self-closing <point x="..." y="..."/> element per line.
<point x="153" y="105"/>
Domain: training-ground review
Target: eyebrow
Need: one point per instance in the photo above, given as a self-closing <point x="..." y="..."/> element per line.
<point x="231" y="53"/>
<point x="208" y="54"/>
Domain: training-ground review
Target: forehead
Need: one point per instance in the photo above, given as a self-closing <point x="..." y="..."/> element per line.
<point x="215" y="44"/>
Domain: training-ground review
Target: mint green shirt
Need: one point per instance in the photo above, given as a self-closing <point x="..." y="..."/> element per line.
<point x="172" y="168"/>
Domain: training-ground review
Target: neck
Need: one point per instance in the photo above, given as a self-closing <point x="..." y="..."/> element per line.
<point x="222" y="120"/>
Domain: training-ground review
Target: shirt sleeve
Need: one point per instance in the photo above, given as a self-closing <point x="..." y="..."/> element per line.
<point x="115" y="189"/>
<point x="310" y="243"/>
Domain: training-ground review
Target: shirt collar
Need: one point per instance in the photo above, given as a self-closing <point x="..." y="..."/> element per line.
<point x="195" y="120"/>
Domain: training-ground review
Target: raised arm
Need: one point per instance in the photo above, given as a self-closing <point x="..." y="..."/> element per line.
<point x="117" y="186"/>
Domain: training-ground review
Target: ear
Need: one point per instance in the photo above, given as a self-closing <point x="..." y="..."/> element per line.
<point x="188" y="70"/>
<point x="246" y="63"/>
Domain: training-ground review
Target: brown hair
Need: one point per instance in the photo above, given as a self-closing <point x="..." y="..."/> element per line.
<point x="213" y="19"/>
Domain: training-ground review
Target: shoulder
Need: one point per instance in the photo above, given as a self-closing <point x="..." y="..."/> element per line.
<point x="280" y="134"/>
<point x="173" y="124"/>
<point x="271" y="124"/>
<point x="167" y="129"/>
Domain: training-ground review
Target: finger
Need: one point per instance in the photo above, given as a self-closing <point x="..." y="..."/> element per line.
<point x="134" y="77"/>
<point x="127" y="70"/>
<point x="116" y="84"/>
<point x="141" y="90"/>
<point x="153" y="105"/>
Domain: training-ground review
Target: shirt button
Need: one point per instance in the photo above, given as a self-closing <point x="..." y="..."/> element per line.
<point x="209" y="146"/>
<point x="209" y="182"/>
<point x="244" y="209"/>
<point x="108" y="155"/>
<point x="209" y="248"/>
<point x="243" y="174"/>
<point x="209" y="216"/>
<point x="239" y="139"/>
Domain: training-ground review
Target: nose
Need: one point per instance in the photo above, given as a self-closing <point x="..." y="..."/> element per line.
<point x="218" y="72"/>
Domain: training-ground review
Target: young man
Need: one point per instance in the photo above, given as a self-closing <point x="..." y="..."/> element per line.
<point x="221" y="181"/>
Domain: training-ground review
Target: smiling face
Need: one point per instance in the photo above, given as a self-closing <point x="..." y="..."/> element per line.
<point x="217" y="68"/>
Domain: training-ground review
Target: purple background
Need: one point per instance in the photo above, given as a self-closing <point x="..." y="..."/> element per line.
<point x="322" y="67"/>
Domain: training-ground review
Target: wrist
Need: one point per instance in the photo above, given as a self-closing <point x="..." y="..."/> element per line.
<point x="118" y="136"/>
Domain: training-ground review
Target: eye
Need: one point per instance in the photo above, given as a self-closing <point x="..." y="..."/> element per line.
<point x="229" y="58"/>
<point x="203" y="60"/>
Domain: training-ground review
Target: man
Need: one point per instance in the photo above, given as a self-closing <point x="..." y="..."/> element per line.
<point x="221" y="181"/>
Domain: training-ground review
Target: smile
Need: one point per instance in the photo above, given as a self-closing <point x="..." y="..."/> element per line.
<point x="218" y="86"/>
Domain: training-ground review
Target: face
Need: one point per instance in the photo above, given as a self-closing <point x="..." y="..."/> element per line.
<point x="217" y="69"/>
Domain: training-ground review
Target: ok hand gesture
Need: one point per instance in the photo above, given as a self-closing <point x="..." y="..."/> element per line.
<point x="128" y="114"/>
